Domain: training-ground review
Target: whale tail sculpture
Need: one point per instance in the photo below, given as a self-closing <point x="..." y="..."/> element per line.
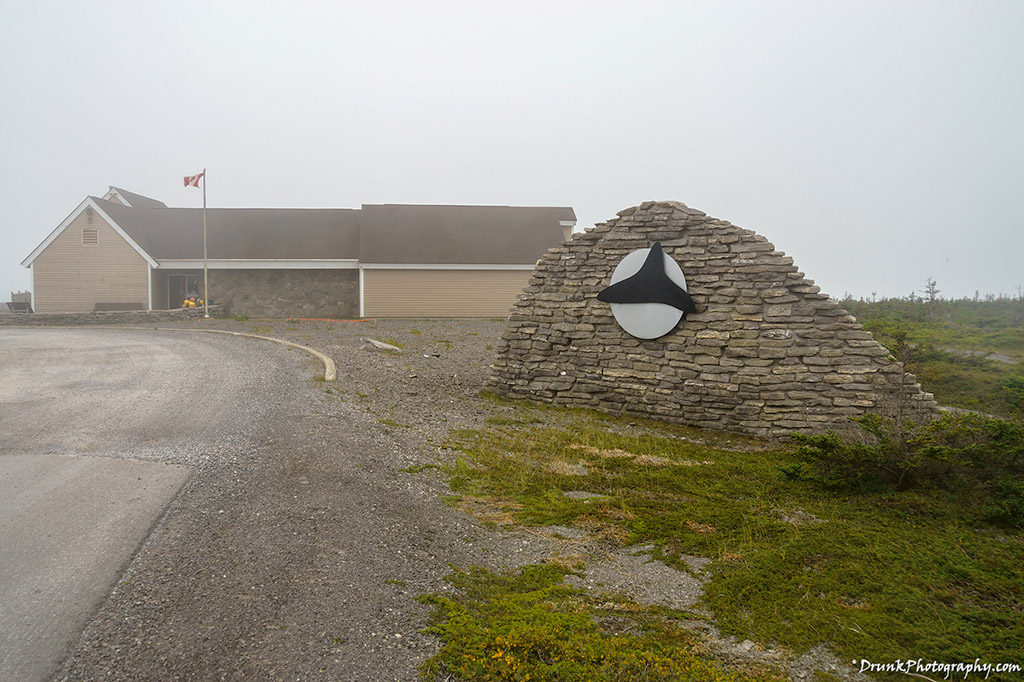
<point x="650" y="284"/>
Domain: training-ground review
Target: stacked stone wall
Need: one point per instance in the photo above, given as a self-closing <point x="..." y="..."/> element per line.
<point x="287" y="293"/>
<point x="119" y="317"/>
<point x="766" y="353"/>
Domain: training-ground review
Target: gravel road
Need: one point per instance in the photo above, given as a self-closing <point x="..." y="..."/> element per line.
<point x="140" y="394"/>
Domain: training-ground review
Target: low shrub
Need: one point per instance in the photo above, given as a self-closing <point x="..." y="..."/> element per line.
<point x="1013" y="389"/>
<point x="1006" y="505"/>
<point x="966" y="454"/>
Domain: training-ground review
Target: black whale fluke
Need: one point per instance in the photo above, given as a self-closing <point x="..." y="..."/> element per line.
<point x="649" y="285"/>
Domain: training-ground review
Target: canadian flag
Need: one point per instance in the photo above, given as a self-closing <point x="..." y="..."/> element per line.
<point x="193" y="180"/>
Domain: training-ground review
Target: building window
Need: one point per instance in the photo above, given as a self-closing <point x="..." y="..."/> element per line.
<point x="90" y="236"/>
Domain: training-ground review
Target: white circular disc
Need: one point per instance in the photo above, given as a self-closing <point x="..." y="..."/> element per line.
<point x="646" y="320"/>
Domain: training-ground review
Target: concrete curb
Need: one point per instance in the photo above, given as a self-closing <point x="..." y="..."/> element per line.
<point x="330" y="371"/>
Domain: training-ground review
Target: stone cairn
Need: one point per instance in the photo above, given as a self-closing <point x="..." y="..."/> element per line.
<point x="765" y="353"/>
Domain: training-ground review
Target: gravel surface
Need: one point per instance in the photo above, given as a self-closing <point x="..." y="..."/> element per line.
<point x="298" y="548"/>
<point x="156" y="406"/>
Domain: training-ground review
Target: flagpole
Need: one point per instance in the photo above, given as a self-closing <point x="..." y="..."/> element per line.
<point x="206" y="279"/>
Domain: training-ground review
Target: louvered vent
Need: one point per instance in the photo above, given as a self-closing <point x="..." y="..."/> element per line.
<point x="90" y="236"/>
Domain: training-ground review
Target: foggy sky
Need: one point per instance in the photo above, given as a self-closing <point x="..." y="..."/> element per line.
<point x="878" y="143"/>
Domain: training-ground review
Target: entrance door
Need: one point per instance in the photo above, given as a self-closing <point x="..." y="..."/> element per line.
<point x="175" y="291"/>
<point x="180" y="287"/>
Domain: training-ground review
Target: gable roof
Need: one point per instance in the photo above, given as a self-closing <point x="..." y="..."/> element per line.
<point x="241" y="233"/>
<point x="424" y="234"/>
<point x="382" y="234"/>
<point x="135" y="200"/>
<point x="97" y="205"/>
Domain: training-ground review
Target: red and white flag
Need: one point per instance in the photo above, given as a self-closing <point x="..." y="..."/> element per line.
<point x="193" y="180"/>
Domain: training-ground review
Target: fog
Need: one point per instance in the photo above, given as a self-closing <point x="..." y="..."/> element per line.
<point x="878" y="143"/>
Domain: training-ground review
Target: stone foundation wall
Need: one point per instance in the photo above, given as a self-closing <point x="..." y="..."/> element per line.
<point x="131" y="317"/>
<point x="764" y="354"/>
<point x="287" y="293"/>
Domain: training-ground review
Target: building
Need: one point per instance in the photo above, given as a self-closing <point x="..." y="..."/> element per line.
<point x="124" y="251"/>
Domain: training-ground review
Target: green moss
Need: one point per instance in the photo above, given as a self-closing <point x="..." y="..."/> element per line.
<point x="873" y="574"/>
<point x="529" y="625"/>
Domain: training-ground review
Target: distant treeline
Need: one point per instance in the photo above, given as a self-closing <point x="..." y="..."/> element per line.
<point x="988" y="312"/>
<point x="969" y="352"/>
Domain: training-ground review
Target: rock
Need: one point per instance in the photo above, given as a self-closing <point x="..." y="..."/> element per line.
<point x="379" y="346"/>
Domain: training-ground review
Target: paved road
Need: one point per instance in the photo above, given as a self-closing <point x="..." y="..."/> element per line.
<point x="99" y="430"/>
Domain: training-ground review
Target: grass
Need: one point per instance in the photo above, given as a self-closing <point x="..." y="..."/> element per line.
<point x="878" y="575"/>
<point x="528" y="625"/>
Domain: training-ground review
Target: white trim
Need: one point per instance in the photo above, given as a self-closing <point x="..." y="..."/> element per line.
<point x="32" y="286"/>
<point x="567" y="228"/>
<point x="149" y="284"/>
<point x="53" y="235"/>
<point x="448" y="266"/>
<point x="87" y="203"/>
<point x="260" y="264"/>
<point x="326" y="264"/>
<point x="362" y="306"/>
<point x="120" y="197"/>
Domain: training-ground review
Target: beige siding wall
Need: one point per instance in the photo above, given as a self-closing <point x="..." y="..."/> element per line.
<point x="69" y="276"/>
<point x="441" y="293"/>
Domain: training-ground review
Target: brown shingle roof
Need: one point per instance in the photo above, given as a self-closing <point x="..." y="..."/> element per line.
<point x="377" y="233"/>
<point x="248" y="233"/>
<point x="137" y="200"/>
<point x="406" y="233"/>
